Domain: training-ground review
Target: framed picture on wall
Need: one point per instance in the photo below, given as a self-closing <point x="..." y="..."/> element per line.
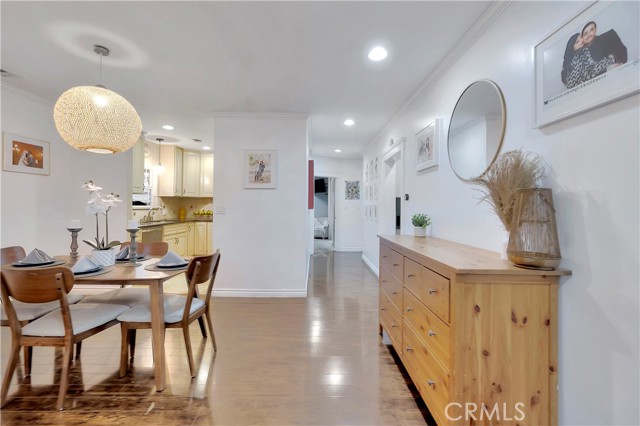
<point x="25" y="155"/>
<point x="260" y="169"/>
<point x="427" y="147"/>
<point x="351" y="189"/>
<point x="592" y="60"/>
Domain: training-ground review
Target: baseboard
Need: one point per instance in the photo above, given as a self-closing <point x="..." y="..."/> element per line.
<point x="221" y="292"/>
<point x="375" y="271"/>
<point x="348" y="249"/>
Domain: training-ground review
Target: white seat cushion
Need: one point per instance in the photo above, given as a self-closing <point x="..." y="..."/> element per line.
<point x="173" y="310"/>
<point x="84" y="316"/>
<point x="31" y="311"/>
<point x="121" y="296"/>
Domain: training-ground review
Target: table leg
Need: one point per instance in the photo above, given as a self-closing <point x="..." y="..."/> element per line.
<point x="157" y="331"/>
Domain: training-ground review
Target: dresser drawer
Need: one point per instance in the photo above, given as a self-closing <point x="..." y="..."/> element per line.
<point x="391" y="320"/>
<point x="430" y="379"/>
<point x="430" y="329"/>
<point x="392" y="287"/>
<point x="392" y="260"/>
<point x="430" y="288"/>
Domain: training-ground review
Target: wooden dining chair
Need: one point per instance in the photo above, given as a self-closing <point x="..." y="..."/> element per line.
<point x="154" y="249"/>
<point x="27" y="312"/>
<point x="179" y="311"/>
<point x="60" y="328"/>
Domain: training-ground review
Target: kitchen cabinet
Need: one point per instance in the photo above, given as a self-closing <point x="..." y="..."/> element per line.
<point x="137" y="178"/>
<point x="177" y="238"/>
<point x="206" y="175"/>
<point x="203" y="238"/>
<point x="170" y="181"/>
<point x="191" y="238"/>
<point x="191" y="174"/>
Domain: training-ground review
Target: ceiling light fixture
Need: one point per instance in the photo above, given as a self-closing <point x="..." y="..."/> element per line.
<point x="167" y="127"/>
<point x="206" y="148"/>
<point x="159" y="167"/>
<point x="349" y="122"/>
<point x="378" y="53"/>
<point x="95" y="119"/>
<point x="337" y="150"/>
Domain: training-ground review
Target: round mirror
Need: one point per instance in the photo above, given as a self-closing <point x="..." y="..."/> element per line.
<point x="476" y="129"/>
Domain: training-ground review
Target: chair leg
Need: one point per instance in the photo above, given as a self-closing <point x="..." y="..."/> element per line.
<point x="28" y="352"/>
<point x="187" y="342"/>
<point x="124" y="342"/>
<point x="213" y="336"/>
<point x="64" y="378"/>
<point x="14" y="357"/>
<point x="78" y="349"/>
<point x="132" y="343"/>
<point x="203" y="330"/>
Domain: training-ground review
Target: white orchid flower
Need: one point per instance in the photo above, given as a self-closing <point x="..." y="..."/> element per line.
<point x="90" y="186"/>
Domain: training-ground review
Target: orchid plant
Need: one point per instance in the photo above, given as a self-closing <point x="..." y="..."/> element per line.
<point x="100" y="204"/>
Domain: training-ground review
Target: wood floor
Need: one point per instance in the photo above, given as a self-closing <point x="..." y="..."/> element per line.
<point x="313" y="361"/>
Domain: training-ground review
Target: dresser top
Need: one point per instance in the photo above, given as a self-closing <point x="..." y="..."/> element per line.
<point x="460" y="258"/>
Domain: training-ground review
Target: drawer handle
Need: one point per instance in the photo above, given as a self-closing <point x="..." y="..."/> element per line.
<point x="383" y="309"/>
<point x="409" y="309"/>
<point x="409" y="349"/>
<point x="432" y="333"/>
<point x="395" y="264"/>
<point x="394" y="293"/>
<point x="394" y="325"/>
<point x="410" y="276"/>
<point x="431" y="383"/>
<point x="384" y="257"/>
<point x="384" y="281"/>
<point x="433" y="291"/>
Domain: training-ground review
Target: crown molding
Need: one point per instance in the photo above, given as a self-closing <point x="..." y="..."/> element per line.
<point x="468" y="39"/>
<point x="26" y="93"/>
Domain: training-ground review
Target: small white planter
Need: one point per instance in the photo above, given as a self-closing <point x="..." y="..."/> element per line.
<point x="419" y="231"/>
<point x="104" y="257"/>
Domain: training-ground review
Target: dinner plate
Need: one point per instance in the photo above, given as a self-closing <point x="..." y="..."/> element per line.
<point x="88" y="271"/>
<point x="180" y="265"/>
<point x="20" y="264"/>
<point x="139" y="257"/>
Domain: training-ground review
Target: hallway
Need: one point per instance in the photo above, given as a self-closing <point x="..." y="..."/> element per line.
<point x="313" y="361"/>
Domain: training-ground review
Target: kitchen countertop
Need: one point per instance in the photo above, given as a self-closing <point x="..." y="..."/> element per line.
<point x="170" y="222"/>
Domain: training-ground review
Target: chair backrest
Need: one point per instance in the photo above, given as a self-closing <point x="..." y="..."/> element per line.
<point x="11" y="254"/>
<point x="37" y="285"/>
<point x="202" y="269"/>
<point x="159" y="248"/>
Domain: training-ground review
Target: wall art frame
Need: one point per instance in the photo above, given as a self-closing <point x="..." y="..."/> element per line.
<point x="260" y="169"/>
<point x="25" y="155"/>
<point x="572" y="77"/>
<point x="427" y="147"/>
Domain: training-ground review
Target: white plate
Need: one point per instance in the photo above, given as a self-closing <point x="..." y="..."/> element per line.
<point x="179" y="265"/>
<point x="21" y="264"/>
<point x="89" y="271"/>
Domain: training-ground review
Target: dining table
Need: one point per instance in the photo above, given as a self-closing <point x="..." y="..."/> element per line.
<point x="128" y="274"/>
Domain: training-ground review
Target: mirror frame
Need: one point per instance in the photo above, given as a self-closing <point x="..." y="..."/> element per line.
<point x="503" y="107"/>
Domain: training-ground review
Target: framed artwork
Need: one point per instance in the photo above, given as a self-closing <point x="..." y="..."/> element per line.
<point x="351" y="189"/>
<point x="260" y="169"/>
<point x="426" y="148"/>
<point x="25" y="155"/>
<point x="592" y="60"/>
<point x="371" y="173"/>
<point x="375" y="191"/>
<point x="375" y="167"/>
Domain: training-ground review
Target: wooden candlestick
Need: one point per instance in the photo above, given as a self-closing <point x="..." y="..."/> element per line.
<point x="133" y="247"/>
<point x="73" y="256"/>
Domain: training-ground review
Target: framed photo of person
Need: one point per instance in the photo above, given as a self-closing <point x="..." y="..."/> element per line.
<point x="427" y="147"/>
<point x="25" y="155"/>
<point x="592" y="60"/>
<point x="260" y="169"/>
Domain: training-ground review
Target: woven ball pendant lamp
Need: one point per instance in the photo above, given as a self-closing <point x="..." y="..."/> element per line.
<point x="96" y="119"/>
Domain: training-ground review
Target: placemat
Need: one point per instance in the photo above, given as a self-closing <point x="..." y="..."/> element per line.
<point x="91" y="274"/>
<point x="48" y="265"/>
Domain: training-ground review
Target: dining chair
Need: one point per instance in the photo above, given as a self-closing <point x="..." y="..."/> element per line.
<point x="60" y="328"/>
<point x="179" y="311"/>
<point x="154" y="249"/>
<point x="27" y="312"/>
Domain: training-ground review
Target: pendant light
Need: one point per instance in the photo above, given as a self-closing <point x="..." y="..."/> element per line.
<point x="95" y="119"/>
<point x="159" y="167"/>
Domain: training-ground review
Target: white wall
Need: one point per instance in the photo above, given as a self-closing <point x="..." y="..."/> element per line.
<point x="264" y="233"/>
<point x="36" y="209"/>
<point x="348" y="235"/>
<point x="593" y="161"/>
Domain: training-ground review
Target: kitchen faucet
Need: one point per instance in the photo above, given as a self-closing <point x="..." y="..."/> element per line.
<point x="149" y="216"/>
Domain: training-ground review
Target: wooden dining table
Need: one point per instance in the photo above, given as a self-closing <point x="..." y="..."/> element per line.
<point x="122" y="273"/>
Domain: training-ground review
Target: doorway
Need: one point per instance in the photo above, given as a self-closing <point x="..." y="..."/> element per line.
<point x="324" y="214"/>
<point x="392" y="189"/>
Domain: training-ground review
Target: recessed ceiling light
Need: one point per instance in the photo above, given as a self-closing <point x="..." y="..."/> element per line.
<point x="378" y="53"/>
<point x="349" y="122"/>
<point x="337" y="150"/>
<point x="197" y="140"/>
<point x="167" y="127"/>
<point x="206" y="148"/>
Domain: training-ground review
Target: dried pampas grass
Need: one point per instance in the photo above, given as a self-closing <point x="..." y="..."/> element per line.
<point x="512" y="171"/>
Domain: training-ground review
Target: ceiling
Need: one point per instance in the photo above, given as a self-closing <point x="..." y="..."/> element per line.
<point x="180" y="63"/>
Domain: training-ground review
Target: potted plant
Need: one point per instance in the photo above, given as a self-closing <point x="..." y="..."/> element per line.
<point x="420" y="222"/>
<point x="103" y="252"/>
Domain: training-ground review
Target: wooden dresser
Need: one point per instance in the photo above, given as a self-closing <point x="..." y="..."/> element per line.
<point x="472" y="331"/>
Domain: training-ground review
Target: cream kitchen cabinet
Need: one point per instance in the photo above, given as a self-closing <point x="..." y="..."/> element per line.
<point x="182" y="176"/>
<point x="191" y="174"/>
<point x="191" y="238"/>
<point x="170" y="181"/>
<point x="203" y="238"/>
<point x="206" y="175"/>
<point x="177" y="237"/>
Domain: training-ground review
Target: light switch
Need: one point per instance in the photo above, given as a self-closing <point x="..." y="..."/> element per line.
<point x="220" y="210"/>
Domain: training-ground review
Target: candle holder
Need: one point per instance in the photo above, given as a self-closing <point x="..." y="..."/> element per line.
<point x="133" y="248"/>
<point x="73" y="256"/>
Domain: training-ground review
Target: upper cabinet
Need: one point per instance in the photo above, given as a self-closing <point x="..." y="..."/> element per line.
<point x="186" y="173"/>
<point x="206" y="175"/>
<point x="137" y="184"/>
